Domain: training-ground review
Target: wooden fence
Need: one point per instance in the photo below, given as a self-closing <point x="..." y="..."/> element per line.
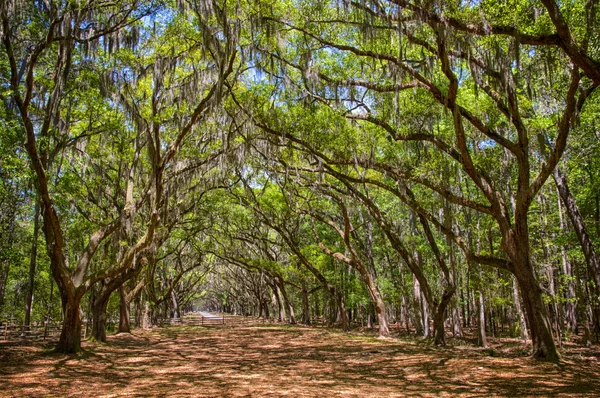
<point x="196" y="319"/>
<point x="12" y="331"/>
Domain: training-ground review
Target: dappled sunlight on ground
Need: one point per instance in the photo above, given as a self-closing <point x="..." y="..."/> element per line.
<point x="285" y="361"/>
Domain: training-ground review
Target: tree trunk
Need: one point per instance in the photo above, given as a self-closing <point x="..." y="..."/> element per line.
<point x="70" y="336"/>
<point x="99" y="317"/>
<point x="342" y="308"/>
<point x="305" y="305"/>
<point x="375" y="294"/>
<point x="418" y="308"/>
<point x="426" y="316"/>
<point x="439" y="337"/>
<point x="522" y="323"/>
<point x="591" y="257"/>
<point x="456" y="323"/>
<point x="536" y="312"/>
<point x="515" y="242"/>
<point x="124" y="326"/>
<point x="147" y="316"/>
<point x="481" y="335"/>
<point x="287" y="302"/>
<point x="32" y="265"/>
<point x="176" y="314"/>
<point x="139" y="311"/>
<point x="279" y="301"/>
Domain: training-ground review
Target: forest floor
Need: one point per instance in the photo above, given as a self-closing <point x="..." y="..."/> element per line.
<point x="277" y="360"/>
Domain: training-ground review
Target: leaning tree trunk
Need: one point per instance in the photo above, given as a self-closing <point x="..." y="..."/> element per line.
<point x="384" y="329"/>
<point x="286" y="300"/>
<point x="591" y="257"/>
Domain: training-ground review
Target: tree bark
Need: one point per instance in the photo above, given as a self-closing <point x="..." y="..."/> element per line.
<point x="125" y="298"/>
<point x="418" y="309"/>
<point x="176" y="313"/>
<point x="70" y="336"/>
<point x="280" y="307"/>
<point x="535" y="310"/>
<point x="286" y="300"/>
<point x="124" y="326"/>
<point x="384" y="329"/>
<point x="481" y="335"/>
<point x="99" y="316"/>
<point x="305" y="305"/>
<point x="439" y="316"/>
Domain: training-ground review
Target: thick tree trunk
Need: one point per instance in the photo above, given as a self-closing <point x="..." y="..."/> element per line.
<point x="32" y="265"/>
<point x="515" y="243"/>
<point x="70" y="336"/>
<point x="439" y="335"/>
<point x="99" y="317"/>
<point x="536" y="312"/>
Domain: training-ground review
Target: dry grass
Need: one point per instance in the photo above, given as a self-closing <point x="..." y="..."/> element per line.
<point x="288" y="361"/>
